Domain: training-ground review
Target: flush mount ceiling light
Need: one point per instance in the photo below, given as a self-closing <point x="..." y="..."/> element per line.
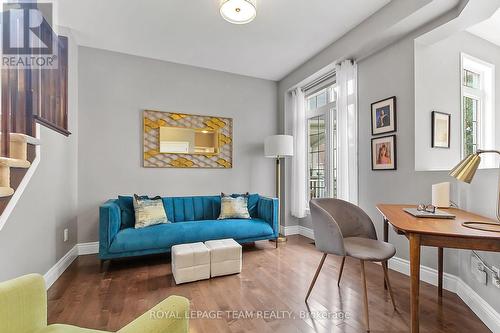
<point x="238" y="11"/>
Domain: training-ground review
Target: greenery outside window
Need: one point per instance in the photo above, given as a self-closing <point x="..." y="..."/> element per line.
<point x="478" y="116"/>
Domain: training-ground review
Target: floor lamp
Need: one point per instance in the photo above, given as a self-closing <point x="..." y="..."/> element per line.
<point x="278" y="147"/>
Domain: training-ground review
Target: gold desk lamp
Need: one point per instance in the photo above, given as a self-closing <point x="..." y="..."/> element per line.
<point x="465" y="171"/>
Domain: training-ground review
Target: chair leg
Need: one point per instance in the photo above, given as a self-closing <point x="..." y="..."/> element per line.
<point x="341" y="270"/>
<point x="276" y="242"/>
<point x="316" y="275"/>
<point x="365" y="292"/>
<point x="386" y="277"/>
<point x="385" y="282"/>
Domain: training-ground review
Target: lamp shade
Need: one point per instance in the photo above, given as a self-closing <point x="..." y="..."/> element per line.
<point x="238" y="11"/>
<point x="466" y="169"/>
<point x="278" y="146"/>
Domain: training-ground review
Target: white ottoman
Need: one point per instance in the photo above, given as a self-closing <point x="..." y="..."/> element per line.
<point x="225" y="257"/>
<point x="190" y="262"/>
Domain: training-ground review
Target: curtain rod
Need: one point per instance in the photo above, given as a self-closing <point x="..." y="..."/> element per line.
<point x="319" y="80"/>
<point x="324" y="77"/>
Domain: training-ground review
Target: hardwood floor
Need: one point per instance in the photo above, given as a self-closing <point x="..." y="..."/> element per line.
<point x="272" y="279"/>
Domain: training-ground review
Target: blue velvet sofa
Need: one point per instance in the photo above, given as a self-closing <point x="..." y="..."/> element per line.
<point x="194" y="219"/>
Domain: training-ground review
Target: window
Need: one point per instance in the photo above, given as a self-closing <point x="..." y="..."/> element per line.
<point x="321" y="134"/>
<point x="478" y="129"/>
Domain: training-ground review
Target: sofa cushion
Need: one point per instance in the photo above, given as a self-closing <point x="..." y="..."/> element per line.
<point x="127" y="211"/>
<point x="166" y="235"/>
<point x="233" y="207"/>
<point x="182" y="209"/>
<point x="149" y="211"/>
<point x="253" y="200"/>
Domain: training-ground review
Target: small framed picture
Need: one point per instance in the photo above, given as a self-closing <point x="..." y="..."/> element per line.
<point x="441" y="128"/>
<point x="384" y="153"/>
<point x="384" y="116"/>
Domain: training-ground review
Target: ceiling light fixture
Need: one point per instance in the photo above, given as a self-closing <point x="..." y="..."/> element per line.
<point x="238" y="11"/>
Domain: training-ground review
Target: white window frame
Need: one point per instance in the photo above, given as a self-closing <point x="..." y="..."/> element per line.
<point x="485" y="95"/>
<point x="328" y="111"/>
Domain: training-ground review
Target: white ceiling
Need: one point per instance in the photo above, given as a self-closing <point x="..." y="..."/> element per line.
<point x="284" y="35"/>
<point x="489" y="29"/>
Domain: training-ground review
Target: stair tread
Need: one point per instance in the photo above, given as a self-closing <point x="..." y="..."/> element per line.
<point x="6" y="191"/>
<point x="14" y="162"/>
<point x="20" y="137"/>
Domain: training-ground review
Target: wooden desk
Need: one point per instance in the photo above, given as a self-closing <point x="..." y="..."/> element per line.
<point x="438" y="233"/>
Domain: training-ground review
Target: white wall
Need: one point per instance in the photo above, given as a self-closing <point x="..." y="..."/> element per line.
<point x="114" y="88"/>
<point x="32" y="238"/>
<point x="437" y="87"/>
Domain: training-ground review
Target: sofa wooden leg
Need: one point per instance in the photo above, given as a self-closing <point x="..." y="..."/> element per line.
<point x="276" y="241"/>
<point x="101" y="268"/>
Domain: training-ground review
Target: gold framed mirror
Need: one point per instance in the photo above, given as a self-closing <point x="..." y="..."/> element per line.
<point x="185" y="140"/>
<point x="180" y="140"/>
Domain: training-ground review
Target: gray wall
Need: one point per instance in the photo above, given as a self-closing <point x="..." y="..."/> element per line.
<point x="437" y="87"/>
<point x="442" y="62"/>
<point x="390" y="73"/>
<point x="114" y="88"/>
<point x="387" y="73"/>
<point x="394" y="66"/>
<point x="384" y="74"/>
<point x="32" y="239"/>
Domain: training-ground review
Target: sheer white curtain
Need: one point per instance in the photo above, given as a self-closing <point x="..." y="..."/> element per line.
<point x="299" y="162"/>
<point x="347" y="131"/>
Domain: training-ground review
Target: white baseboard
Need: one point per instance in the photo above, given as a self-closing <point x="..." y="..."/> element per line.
<point x="488" y="315"/>
<point x="427" y="274"/>
<point x="298" y="230"/>
<point x="290" y="230"/>
<point x="88" y="248"/>
<point x="306" y="232"/>
<point x="56" y="271"/>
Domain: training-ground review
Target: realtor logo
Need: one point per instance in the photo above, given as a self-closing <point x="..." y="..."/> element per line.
<point x="28" y="40"/>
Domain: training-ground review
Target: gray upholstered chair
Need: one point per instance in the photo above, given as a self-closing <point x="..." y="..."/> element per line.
<point x="344" y="229"/>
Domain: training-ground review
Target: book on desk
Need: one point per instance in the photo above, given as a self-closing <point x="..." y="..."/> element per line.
<point x="438" y="214"/>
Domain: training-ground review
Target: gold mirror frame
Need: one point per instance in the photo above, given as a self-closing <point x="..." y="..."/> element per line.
<point x="153" y="120"/>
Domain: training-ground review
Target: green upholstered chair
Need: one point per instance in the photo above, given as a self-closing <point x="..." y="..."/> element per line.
<point x="23" y="309"/>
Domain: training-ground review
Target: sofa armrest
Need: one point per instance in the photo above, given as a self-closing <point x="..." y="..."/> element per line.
<point x="267" y="210"/>
<point x="109" y="224"/>
<point x="23" y="304"/>
<point x="169" y="316"/>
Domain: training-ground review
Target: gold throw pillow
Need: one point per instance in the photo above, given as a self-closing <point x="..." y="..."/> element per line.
<point x="149" y="211"/>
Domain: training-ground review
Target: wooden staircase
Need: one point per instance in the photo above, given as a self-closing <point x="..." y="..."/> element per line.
<point x="30" y="96"/>
<point x="13" y="168"/>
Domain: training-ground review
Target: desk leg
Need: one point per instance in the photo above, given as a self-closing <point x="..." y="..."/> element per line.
<point x="440" y="272"/>
<point x="386" y="239"/>
<point x="415" y="281"/>
<point x="386" y="230"/>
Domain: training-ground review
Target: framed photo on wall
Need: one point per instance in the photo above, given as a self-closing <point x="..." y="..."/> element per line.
<point x="384" y="153"/>
<point x="441" y="128"/>
<point x="384" y="116"/>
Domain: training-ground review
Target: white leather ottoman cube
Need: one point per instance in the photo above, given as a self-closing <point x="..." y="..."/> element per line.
<point x="225" y="257"/>
<point x="190" y="262"/>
